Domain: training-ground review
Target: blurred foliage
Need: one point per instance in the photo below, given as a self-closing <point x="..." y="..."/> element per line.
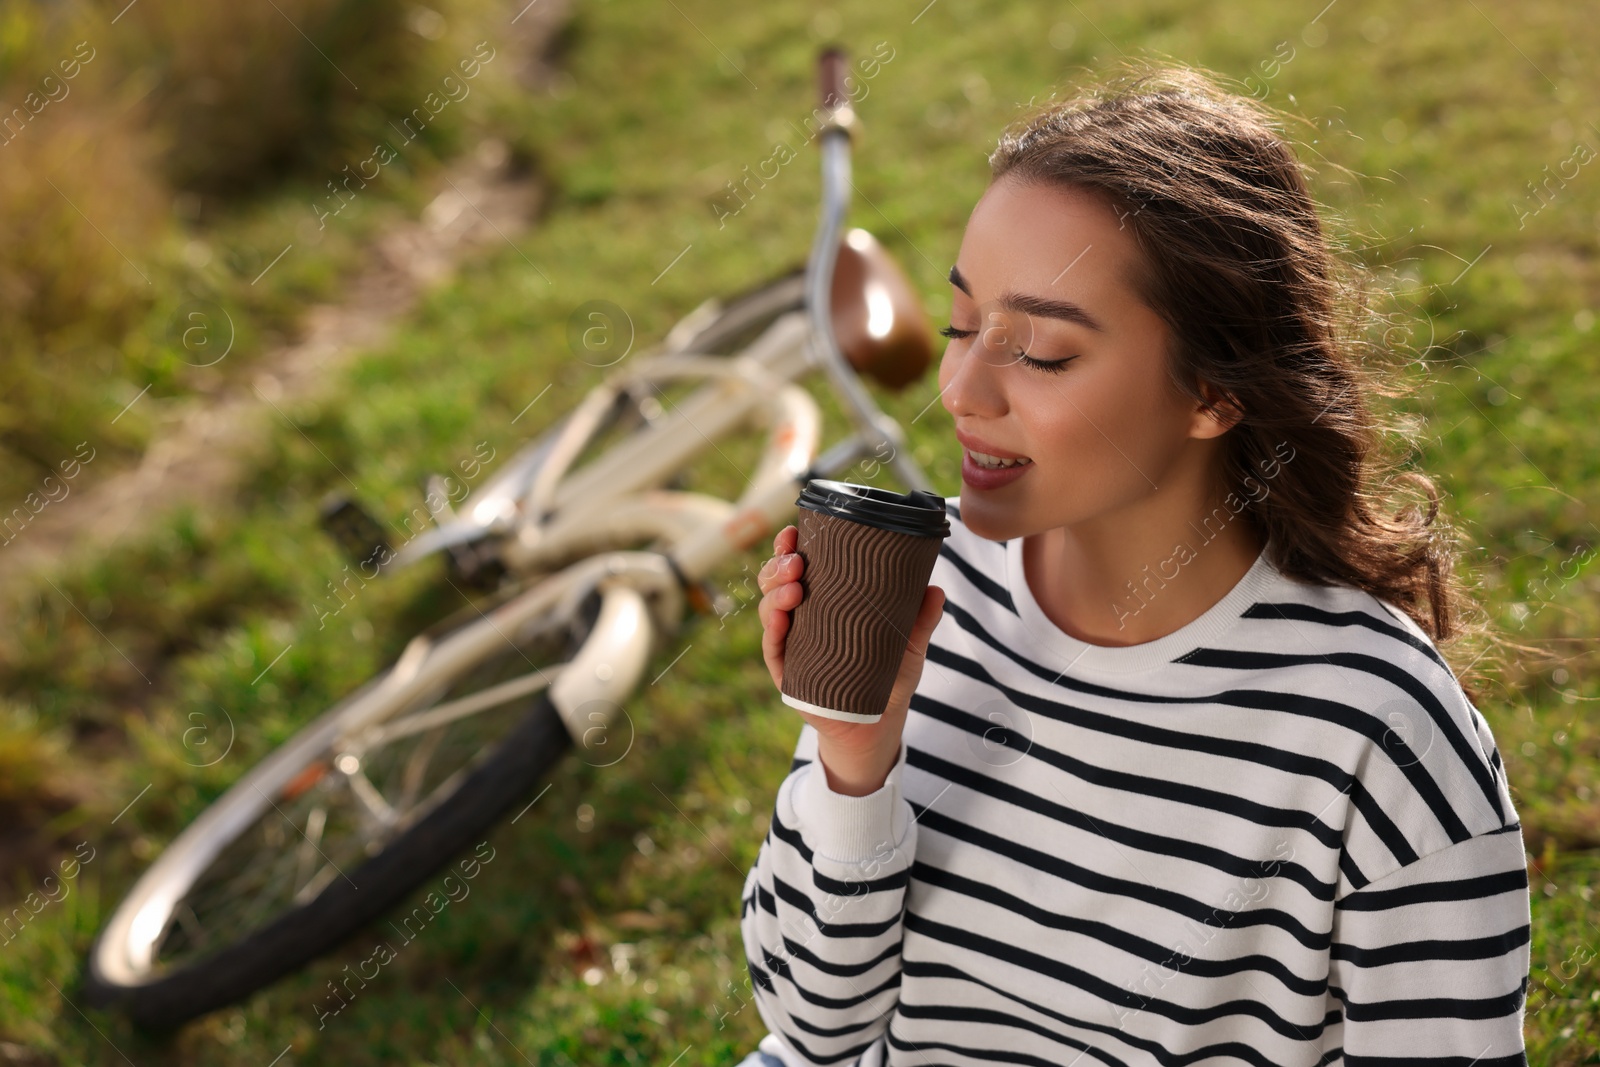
<point x="129" y="148"/>
<point x="74" y="149"/>
<point x="245" y="92"/>
<point x="30" y="761"/>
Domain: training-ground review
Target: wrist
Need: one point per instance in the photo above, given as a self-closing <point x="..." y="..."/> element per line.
<point x="856" y="773"/>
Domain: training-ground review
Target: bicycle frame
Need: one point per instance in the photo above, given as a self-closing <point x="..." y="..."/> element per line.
<point x="555" y="531"/>
<point x="566" y="530"/>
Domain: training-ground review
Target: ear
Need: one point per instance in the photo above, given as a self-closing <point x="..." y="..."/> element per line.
<point x="1218" y="413"/>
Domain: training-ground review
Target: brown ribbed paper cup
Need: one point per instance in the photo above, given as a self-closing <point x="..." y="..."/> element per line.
<point x="868" y="556"/>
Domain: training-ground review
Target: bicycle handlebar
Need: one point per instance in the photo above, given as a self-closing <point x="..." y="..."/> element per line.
<point x="831" y="69"/>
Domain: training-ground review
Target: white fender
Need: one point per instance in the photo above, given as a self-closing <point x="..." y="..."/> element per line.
<point x="590" y="690"/>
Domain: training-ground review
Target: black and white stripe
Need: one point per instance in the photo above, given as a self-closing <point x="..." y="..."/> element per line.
<point x="1288" y="841"/>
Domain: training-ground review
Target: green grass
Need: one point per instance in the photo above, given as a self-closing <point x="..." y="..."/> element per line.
<point x="1446" y="117"/>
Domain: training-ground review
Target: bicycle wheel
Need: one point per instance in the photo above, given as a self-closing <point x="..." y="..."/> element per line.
<point x="325" y="834"/>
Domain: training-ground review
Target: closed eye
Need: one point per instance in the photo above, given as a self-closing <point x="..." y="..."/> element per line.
<point x="1049" y="366"/>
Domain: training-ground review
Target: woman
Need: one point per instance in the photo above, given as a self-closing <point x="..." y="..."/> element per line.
<point x="1173" y="771"/>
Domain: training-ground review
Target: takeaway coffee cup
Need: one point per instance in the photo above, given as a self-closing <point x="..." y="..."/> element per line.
<point x="868" y="555"/>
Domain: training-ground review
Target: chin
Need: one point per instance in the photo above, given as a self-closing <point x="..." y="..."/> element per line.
<point x="977" y="518"/>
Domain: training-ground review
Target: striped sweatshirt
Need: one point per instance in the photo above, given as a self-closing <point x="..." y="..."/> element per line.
<point x="1278" y="836"/>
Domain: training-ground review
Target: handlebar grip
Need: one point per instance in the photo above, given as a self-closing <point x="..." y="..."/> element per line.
<point x="831" y="70"/>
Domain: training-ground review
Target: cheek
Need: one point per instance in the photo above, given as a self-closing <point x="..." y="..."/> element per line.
<point x="1127" y="409"/>
<point x="1075" y="415"/>
<point x="1100" y="430"/>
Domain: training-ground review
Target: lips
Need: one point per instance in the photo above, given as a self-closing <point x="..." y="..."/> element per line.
<point x="986" y="466"/>
<point x="988" y="455"/>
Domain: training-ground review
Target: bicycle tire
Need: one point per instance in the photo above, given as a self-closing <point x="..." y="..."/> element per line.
<point x="295" y="937"/>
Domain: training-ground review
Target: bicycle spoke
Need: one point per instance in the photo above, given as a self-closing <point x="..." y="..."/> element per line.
<point x="348" y="801"/>
<point x="227" y="906"/>
<point x="362" y="789"/>
<point x="317" y="884"/>
<point x="442" y="714"/>
<point x="316" y="822"/>
<point x="416" y="767"/>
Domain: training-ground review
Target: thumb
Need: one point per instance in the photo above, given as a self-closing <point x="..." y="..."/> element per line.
<point x="927" y="619"/>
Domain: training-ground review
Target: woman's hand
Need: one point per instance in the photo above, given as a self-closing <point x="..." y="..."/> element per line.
<point x="856" y="756"/>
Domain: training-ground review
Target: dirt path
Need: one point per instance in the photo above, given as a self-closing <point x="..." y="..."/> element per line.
<point x="202" y="452"/>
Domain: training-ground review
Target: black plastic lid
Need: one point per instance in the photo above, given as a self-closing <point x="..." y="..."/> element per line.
<point x="918" y="513"/>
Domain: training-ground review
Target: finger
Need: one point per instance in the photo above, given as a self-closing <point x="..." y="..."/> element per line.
<point x="766" y="575"/>
<point x="787" y="539"/>
<point x="779" y="600"/>
<point x="785" y="567"/>
<point x="774" y="635"/>
<point x="764" y="610"/>
<point x="927" y="618"/>
<point x="771" y="575"/>
<point x="917" y="647"/>
<point x="930" y="611"/>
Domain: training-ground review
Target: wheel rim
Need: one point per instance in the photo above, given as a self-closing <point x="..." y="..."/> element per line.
<point x="344" y="797"/>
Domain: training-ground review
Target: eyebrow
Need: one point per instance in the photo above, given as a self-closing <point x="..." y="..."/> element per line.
<point x="1028" y="304"/>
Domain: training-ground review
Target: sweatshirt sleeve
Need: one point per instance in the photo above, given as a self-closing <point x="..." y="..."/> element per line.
<point x="822" y="912"/>
<point x="1431" y="962"/>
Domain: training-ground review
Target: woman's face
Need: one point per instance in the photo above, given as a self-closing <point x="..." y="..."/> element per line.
<point x="1047" y="271"/>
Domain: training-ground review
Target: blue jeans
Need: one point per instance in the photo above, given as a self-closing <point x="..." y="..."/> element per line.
<point x="759" y="1059"/>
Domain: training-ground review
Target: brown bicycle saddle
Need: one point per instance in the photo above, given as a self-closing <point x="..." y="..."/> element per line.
<point x="878" y="319"/>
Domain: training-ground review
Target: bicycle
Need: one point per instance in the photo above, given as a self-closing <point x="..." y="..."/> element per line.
<point x="588" y="570"/>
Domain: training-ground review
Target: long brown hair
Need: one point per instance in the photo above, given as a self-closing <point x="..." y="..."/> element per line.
<point x="1263" y="307"/>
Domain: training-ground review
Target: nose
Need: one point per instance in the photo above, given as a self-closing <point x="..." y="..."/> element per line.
<point x="969" y="384"/>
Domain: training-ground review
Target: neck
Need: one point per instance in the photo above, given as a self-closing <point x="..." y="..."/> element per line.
<point x="1130" y="580"/>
